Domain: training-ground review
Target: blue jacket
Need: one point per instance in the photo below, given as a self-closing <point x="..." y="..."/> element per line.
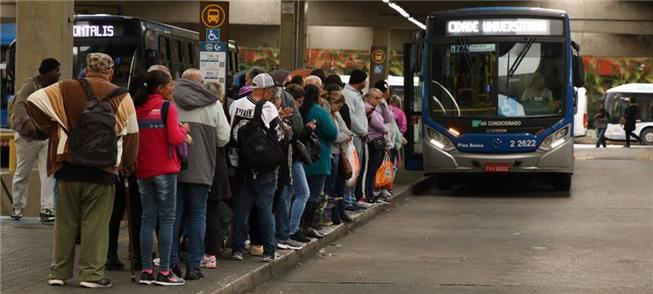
<point x="327" y="133"/>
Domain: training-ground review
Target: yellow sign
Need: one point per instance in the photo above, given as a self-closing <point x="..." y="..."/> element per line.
<point x="213" y="16"/>
<point x="378" y="56"/>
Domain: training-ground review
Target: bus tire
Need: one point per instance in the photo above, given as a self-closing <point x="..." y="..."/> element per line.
<point x="443" y="182"/>
<point x="647" y="136"/>
<point x="562" y="182"/>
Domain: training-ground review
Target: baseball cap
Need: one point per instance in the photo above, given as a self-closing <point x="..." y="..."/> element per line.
<point x="262" y="81"/>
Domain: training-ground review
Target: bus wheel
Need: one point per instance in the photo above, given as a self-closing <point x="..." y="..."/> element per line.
<point x="647" y="136"/>
<point x="443" y="182"/>
<point x="562" y="182"/>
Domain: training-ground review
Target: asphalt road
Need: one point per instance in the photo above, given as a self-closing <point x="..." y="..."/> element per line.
<point x="502" y="235"/>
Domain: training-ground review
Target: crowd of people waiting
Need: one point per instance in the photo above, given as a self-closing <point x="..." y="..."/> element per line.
<point x="262" y="165"/>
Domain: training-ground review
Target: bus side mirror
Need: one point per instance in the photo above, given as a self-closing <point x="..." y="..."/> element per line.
<point x="416" y="51"/>
<point x="578" y="71"/>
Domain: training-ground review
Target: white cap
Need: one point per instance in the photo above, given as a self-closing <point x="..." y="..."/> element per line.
<point x="262" y="81"/>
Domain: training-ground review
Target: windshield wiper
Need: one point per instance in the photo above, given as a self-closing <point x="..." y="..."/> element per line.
<point x="520" y="57"/>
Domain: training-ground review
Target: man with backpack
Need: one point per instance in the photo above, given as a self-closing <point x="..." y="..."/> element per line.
<point x="209" y="129"/>
<point x="256" y="153"/>
<point x="93" y="135"/>
<point x="31" y="144"/>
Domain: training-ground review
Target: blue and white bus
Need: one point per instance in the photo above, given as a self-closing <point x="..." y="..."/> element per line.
<point x="497" y="94"/>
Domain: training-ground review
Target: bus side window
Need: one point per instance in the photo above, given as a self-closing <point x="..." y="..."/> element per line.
<point x="164" y="50"/>
<point x="183" y="54"/>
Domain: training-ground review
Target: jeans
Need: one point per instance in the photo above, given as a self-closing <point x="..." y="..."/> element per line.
<point x="261" y="192"/>
<point x="191" y="209"/>
<point x="600" y="134"/>
<point x="159" y="203"/>
<point x="282" y="213"/>
<point x="330" y="187"/>
<point x="28" y="154"/>
<point x="359" y="189"/>
<point x="375" y="160"/>
<point x="300" y="187"/>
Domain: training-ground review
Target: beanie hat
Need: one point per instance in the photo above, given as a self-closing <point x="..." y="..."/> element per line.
<point x="357" y="76"/>
<point x="381" y="85"/>
<point x="48" y="65"/>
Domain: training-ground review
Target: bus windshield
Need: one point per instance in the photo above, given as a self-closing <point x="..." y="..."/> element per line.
<point x="497" y="79"/>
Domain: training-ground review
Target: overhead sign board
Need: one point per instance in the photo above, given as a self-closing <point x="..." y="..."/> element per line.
<point x="503" y="26"/>
<point x="214" y="15"/>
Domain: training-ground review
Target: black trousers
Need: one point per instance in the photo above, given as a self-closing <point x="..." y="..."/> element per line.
<point x="218" y="218"/>
<point x="628" y="135"/>
<point x="119" y="206"/>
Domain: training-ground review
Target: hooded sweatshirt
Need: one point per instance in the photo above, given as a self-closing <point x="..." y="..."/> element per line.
<point x="209" y="129"/>
<point x="157" y="139"/>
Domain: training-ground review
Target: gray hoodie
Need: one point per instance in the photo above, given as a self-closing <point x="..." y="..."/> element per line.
<point x="209" y="129"/>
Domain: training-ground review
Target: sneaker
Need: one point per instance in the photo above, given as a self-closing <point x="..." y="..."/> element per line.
<point x="256" y="250"/>
<point x="353" y="208"/>
<point x="270" y="258"/>
<point x="294" y="245"/>
<point x="103" y="283"/>
<point x="237" y="255"/>
<point x="170" y="280"/>
<point x="288" y="245"/>
<point x="47" y="215"/>
<point x="175" y="269"/>
<point x="17" y="213"/>
<point x="156" y="261"/>
<point x="194" y="274"/>
<point x="209" y="262"/>
<point x="55" y="282"/>
<point x="146" y="278"/>
<point x="310" y="232"/>
<point x="364" y="204"/>
<point x="299" y="237"/>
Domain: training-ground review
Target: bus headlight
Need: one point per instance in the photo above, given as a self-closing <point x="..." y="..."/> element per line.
<point x="556" y="139"/>
<point x="439" y="141"/>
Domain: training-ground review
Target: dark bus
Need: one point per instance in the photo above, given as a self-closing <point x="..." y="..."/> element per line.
<point x="135" y="44"/>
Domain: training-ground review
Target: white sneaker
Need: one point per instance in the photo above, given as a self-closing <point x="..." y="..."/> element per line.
<point x="270" y="258"/>
<point x="55" y="282"/>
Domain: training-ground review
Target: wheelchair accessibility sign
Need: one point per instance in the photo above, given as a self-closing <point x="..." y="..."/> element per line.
<point x="213" y="35"/>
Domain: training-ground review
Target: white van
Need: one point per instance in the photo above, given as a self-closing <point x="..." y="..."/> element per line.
<point x="616" y="100"/>
<point x="580" y="117"/>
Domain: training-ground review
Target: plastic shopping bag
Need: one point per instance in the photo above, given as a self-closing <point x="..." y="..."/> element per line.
<point x="385" y="175"/>
<point x="352" y="156"/>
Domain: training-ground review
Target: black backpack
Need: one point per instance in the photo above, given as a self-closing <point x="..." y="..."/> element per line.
<point x="258" y="148"/>
<point x="94" y="143"/>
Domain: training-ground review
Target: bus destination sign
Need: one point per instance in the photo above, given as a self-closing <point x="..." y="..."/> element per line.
<point x="518" y="26"/>
<point x="96" y="31"/>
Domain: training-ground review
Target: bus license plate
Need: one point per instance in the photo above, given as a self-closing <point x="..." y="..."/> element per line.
<point x="500" y="167"/>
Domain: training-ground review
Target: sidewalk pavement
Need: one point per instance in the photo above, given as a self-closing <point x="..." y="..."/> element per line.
<point x="26" y="252"/>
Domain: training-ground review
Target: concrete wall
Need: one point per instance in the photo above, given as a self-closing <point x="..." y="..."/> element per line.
<point x="340" y="37"/>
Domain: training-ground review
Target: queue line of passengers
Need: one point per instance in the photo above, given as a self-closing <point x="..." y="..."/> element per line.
<point x="181" y="148"/>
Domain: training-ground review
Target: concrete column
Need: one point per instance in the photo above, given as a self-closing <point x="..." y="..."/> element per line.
<point x="43" y="29"/>
<point x="292" y="34"/>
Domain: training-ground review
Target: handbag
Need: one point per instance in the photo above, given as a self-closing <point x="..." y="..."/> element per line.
<point x="313" y="146"/>
<point x="345" y="167"/>
<point x="302" y="152"/>
<point x="379" y="143"/>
